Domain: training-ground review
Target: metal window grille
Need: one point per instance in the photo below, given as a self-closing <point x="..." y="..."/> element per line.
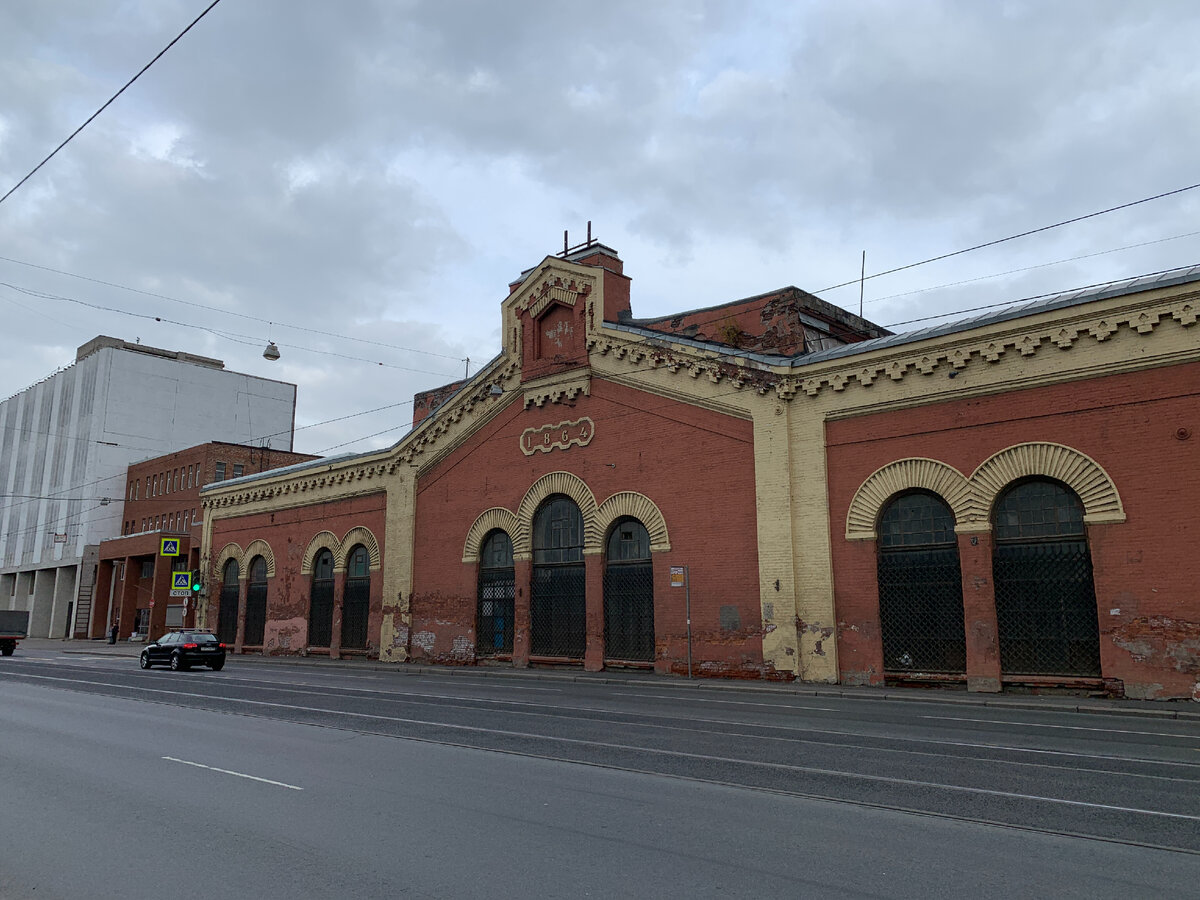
<point x="1045" y="594"/>
<point x="256" y="614"/>
<point x="355" y="611"/>
<point x="1046" y="609"/>
<point x="556" y="609"/>
<point x="227" y="614"/>
<point x="920" y="587"/>
<point x="320" y="613"/>
<point x="629" y="611"/>
<point x="494" y="622"/>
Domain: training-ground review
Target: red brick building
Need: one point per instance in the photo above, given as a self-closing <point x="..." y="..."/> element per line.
<point x="770" y="488"/>
<point x="162" y="501"/>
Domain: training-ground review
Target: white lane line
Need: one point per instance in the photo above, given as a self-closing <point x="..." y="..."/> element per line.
<point x="186" y="762"/>
<point x="1013" y="724"/>
<point x="652" y="751"/>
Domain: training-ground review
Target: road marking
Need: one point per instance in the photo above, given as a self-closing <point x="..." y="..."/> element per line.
<point x="231" y="772"/>
<point x="651" y="751"/>
<point x="1013" y="724"/>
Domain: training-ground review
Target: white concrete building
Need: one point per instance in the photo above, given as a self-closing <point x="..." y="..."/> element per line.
<point x="65" y="444"/>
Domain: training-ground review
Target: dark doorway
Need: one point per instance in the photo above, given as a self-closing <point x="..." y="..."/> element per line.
<point x="256" y="603"/>
<point x="356" y="605"/>
<point x="494" y="614"/>
<point x="556" y="597"/>
<point x="1045" y="595"/>
<point x="227" y="608"/>
<point x="320" y="605"/>
<point x="920" y="587"/>
<point x="629" y="594"/>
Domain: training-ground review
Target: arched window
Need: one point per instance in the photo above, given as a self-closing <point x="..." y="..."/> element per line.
<point x="494" y="614"/>
<point x="227" y="608"/>
<point x="320" y="604"/>
<point x="628" y="593"/>
<point x="356" y="605"/>
<point x="1042" y="571"/>
<point x="256" y="604"/>
<point x="920" y="587"/>
<point x="556" y="595"/>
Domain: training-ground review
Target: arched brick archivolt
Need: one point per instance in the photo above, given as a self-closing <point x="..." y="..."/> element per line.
<point x="634" y="505"/>
<point x="487" y="521"/>
<point x="324" y="540"/>
<point x="906" y="475"/>
<point x="258" y="548"/>
<point x="1079" y="472"/>
<point x="228" y="552"/>
<point x="549" y="484"/>
<point x="360" y="534"/>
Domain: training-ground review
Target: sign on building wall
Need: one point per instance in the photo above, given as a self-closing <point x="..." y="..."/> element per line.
<point x="169" y="547"/>
<point x="560" y="436"/>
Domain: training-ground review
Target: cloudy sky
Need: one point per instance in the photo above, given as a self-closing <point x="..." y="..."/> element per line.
<point x="359" y="181"/>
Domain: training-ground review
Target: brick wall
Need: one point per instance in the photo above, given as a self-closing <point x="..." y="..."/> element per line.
<point x="697" y="466"/>
<point x="1142" y="428"/>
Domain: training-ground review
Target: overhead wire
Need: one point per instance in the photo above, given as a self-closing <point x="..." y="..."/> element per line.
<point x="216" y="332"/>
<point x="109" y="101"/>
<point x="1011" y="237"/>
<point x="321" y="331"/>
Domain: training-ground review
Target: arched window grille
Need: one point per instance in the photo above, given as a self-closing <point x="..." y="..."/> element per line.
<point x="256" y="604"/>
<point x="494" y="612"/>
<point x="557" y="590"/>
<point x="320" y="604"/>
<point x="628" y="593"/>
<point x="920" y="587"/>
<point x="227" y="607"/>
<point x="356" y="604"/>
<point x="1042" y="572"/>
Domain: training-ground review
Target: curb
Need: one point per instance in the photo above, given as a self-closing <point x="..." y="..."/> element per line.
<point x="1045" y="704"/>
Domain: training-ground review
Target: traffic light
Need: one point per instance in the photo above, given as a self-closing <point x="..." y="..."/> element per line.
<point x="197" y="584"/>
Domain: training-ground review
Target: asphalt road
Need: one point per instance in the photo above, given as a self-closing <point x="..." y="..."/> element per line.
<point x="278" y="780"/>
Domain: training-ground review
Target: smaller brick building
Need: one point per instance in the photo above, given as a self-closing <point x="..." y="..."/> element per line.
<point x="162" y="500"/>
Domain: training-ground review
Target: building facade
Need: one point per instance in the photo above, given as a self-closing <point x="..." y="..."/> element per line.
<point x="772" y="488"/>
<point x="66" y="443"/>
<point x="135" y="587"/>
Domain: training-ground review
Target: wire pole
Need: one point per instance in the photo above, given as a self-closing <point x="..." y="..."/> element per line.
<point x="862" y="277"/>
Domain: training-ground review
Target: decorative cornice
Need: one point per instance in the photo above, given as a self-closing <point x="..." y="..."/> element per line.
<point x="897" y="364"/>
<point x="557" y="391"/>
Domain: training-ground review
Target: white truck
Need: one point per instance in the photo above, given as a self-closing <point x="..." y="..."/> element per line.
<point x="14" y="626"/>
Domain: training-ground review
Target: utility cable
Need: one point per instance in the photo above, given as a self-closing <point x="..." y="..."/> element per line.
<point x="1011" y="237"/>
<point x="321" y="331"/>
<point x="107" y="103"/>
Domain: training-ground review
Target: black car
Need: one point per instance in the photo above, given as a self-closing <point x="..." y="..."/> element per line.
<point x="184" y="649"/>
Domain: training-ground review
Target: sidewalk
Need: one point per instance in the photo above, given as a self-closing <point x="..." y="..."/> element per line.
<point x="1184" y="710"/>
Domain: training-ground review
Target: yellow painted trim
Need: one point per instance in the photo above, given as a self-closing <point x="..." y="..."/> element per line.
<point x="359" y="534"/>
<point x="258" y="548"/>
<point x="917" y="473"/>
<point x="549" y="484"/>
<point x="1078" y="471"/>
<point x="323" y="540"/>
<point x="496" y="518"/>
<point x="636" y="506"/>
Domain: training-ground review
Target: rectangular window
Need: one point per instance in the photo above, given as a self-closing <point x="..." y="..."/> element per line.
<point x="237" y="470"/>
<point x="189" y="481"/>
<point x="220" y="471"/>
<point x="147" y="568"/>
<point x="137" y="489"/>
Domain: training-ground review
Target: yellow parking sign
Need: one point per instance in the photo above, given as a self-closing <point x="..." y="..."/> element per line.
<point x="169" y="547"/>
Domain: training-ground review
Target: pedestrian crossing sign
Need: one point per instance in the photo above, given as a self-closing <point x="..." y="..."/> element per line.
<point x="181" y="581"/>
<point x="170" y="547"/>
